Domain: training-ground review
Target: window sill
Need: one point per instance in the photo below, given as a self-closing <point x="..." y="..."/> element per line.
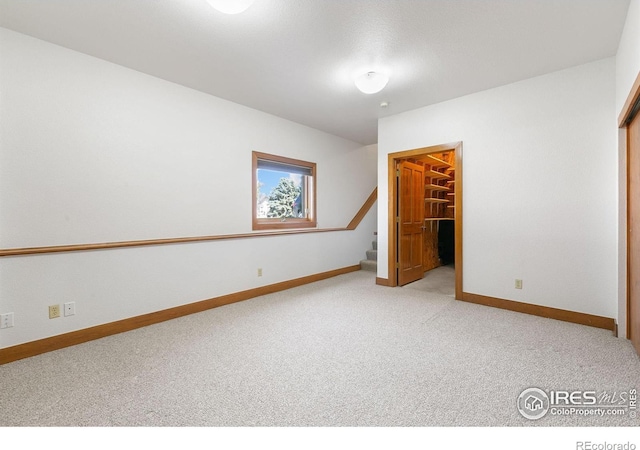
<point x="284" y="225"/>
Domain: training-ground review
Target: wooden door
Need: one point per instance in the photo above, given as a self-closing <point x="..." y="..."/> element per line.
<point x="633" y="270"/>
<point x="410" y="222"/>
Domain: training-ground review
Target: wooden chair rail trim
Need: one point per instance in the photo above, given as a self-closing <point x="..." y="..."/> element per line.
<point x="368" y="204"/>
<point x="184" y="240"/>
<point x="58" y="342"/>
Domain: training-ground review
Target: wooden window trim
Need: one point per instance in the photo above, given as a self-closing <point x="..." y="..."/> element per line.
<point x="278" y="224"/>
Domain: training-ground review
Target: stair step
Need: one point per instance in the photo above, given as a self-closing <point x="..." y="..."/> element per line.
<point x="372" y="255"/>
<point x="371" y="266"/>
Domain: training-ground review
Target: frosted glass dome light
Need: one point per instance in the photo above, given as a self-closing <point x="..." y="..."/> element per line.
<point x="231" y="6"/>
<point x="371" y="82"/>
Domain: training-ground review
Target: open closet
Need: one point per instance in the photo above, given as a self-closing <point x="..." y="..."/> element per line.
<point x="426" y="212"/>
<point x="439" y="209"/>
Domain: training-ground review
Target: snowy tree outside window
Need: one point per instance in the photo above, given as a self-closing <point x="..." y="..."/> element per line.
<point x="284" y="192"/>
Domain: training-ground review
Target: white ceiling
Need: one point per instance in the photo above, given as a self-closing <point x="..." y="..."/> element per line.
<point x="297" y="58"/>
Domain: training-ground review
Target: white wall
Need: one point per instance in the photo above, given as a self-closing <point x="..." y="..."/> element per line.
<point x="627" y="70"/>
<point x="539" y="183"/>
<point x="628" y="56"/>
<point x="94" y="152"/>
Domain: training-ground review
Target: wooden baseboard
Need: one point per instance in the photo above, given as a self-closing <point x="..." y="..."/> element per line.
<point x="382" y="282"/>
<point x="49" y="344"/>
<point x="542" y="311"/>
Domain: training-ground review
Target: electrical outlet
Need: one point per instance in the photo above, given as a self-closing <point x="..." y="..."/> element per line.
<point x="6" y="320"/>
<point x="54" y="311"/>
<point x="518" y="284"/>
<point x="69" y="309"/>
<point x="260" y="272"/>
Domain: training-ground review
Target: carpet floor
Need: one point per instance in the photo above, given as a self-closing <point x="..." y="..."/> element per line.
<point x="339" y="352"/>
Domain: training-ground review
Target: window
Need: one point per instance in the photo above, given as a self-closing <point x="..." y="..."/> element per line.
<point x="283" y="192"/>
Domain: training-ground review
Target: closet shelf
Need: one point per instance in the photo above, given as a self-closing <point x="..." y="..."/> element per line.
<point x="435" y="162"/>
<point x="438" y="175"/>
<point x="436" y="200"/>
<point x="435" y="187"/>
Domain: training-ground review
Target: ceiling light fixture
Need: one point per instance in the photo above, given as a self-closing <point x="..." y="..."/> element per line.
<point x="231" y="6"/>
<point x="371" y="82"/>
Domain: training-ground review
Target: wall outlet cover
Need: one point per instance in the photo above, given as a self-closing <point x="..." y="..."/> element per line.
<point x="6" y="320"/>
<point x="69" y="309"/>
<point x="54" y="311"/>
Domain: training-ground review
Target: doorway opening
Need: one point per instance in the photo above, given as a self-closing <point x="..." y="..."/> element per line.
<point x="425" y="210"/>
